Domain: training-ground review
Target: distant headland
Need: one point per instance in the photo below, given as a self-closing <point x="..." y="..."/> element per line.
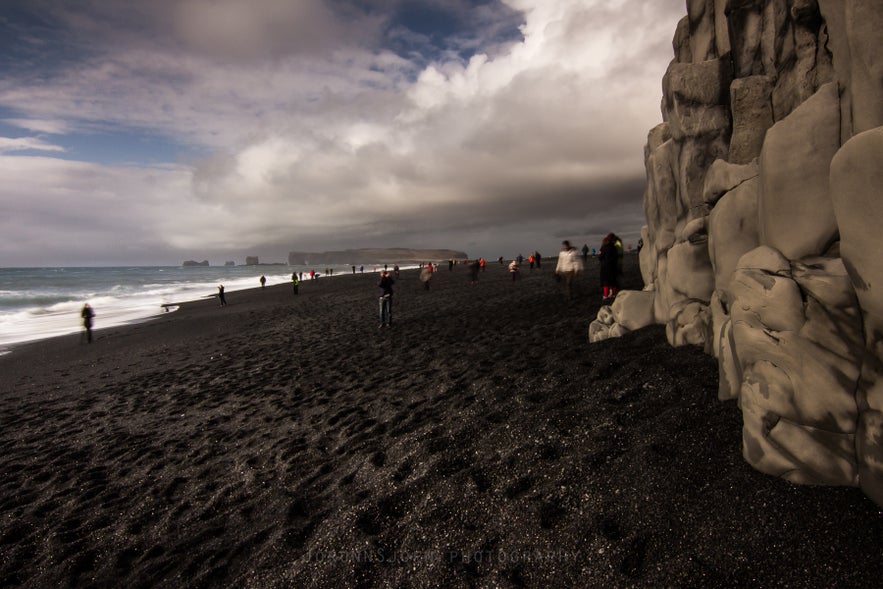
<point x="395" y="255"/>
<point x="374" y="256"/>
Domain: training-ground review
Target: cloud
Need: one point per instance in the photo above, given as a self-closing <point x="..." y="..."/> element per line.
<point x="9" y="144"/>
<point x="57" y="210"/>
<point x="314" y="127"/>
<point x="51" y="127"/>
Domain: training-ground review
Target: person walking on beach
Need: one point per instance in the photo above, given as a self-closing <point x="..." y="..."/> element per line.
<point x="514" y="270"/>
<point x="570" y="265"/>
<point x="426" y="275"/>
<point x="474" y="268"/>
<point x="221" y="297"/>
<point x="88" y="314"/>
<point x="263" y="281"/>
<point x="295" y="283"/>
<point x="385" y="286"/>
<point x="395" y="270"/>
<point x="354" y="270"/>
<point x="609" y="259"/>
<point x="537" y="259"/>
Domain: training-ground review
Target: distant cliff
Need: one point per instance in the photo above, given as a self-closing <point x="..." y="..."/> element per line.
<point x="194" y="263"/>
<point x="374" y="256"/>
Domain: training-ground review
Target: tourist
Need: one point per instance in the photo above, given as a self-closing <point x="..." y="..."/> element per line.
<point x="474" y="269"/>
<point x="426" y="275"/>
<point x="263" y="281"/>
<point x="570" y="265"/>
<point x="514" y="271"/>
<point x="385" y="286"/>
<point x="88" y="315"/>
<point x="221" y="298"/>
<point x="609" y="259"/>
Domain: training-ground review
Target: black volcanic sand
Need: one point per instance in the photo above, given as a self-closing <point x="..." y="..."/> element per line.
<point x="481" y="442"/>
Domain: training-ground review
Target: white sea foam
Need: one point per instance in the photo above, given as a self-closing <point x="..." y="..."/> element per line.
<point x="38" y="303"/>
<point x="49" y="302"/>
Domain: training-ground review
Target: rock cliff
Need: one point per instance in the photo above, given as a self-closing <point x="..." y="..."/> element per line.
<point x="763" y="201"/>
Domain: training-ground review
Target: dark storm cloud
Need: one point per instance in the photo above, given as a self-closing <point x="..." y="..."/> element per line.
<point x="323" y="124"/>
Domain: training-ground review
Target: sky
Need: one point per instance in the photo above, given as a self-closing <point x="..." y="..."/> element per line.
<point x="148" y="133"/>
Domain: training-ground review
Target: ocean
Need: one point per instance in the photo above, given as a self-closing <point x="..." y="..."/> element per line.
<point x="37" y="303"/>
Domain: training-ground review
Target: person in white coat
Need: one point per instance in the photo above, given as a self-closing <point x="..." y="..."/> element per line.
<point x="570" y="265"/>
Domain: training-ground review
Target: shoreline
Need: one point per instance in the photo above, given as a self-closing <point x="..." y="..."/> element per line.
<point x="286" y="441"/>
<point x="8" y="347"/>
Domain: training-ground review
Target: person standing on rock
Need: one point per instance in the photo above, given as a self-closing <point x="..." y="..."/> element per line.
<point x="569" y="266"/>
<point x="88" y="314"/>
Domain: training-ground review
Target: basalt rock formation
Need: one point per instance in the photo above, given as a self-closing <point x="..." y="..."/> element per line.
<point x="764" y="198"/>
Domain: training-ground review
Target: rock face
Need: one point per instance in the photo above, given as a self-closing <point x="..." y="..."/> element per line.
<point x="763" y="202"/>
<point x="189" y="263"/>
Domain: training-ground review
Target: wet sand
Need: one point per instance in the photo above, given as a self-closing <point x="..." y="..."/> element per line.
<point x="287" y="441"/>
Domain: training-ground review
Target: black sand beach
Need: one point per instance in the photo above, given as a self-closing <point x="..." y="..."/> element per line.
<point x="480" y="442"/>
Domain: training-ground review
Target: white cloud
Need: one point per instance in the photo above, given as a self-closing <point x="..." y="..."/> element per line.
<point x="51" y="127"/>
<point x="312" y="141"/>
<point x="9" y="144"/>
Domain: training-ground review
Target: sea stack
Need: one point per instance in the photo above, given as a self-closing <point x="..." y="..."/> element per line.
<point x="763" y="206"/>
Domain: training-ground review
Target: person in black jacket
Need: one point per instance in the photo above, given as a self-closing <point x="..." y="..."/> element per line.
<point x="88" y="315"/>
<point x="385" y="286"/>
<point x="609" y="259"/>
